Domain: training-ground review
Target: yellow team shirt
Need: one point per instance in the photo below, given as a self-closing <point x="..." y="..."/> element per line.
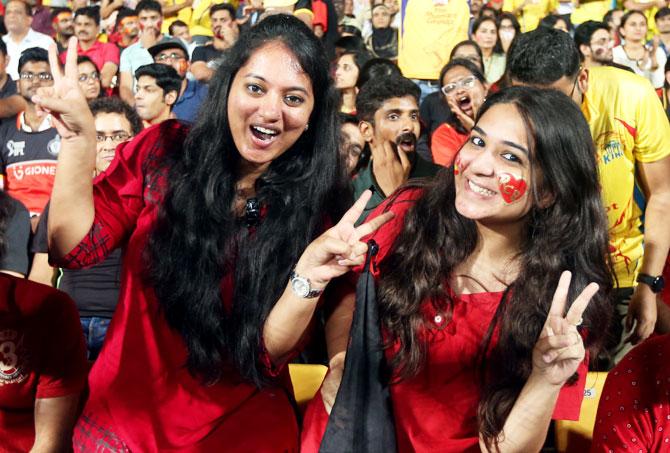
<point x="429" y="29"/>
<point x="628" y="125"/>
<point x="531" y="14"/>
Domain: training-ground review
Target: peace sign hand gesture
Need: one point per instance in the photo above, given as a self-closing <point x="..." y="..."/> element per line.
<point x="64" y="99"/>
<point x="338" y="249"/>
<point x="560" y="348"/>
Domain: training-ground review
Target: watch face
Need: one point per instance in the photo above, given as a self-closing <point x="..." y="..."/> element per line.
<point x="300" y="286"/>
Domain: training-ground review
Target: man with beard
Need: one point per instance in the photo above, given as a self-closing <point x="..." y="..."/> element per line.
<point x="126" y="29"/>
<point x="104" y="55"/>
<point x="594" y="43"/>
<point x="388" y="110"/>
<point x="150" y="17"/>
<point x="206" y="59"/>
<point x="63" y="25"/>
<point x="172" y="52"/>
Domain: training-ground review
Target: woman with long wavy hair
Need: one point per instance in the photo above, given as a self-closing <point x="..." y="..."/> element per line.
<point x="225" y="251"/>
<point x="479" y="316"/>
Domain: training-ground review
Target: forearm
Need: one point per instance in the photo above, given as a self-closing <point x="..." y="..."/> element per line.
<point x="286" y="324"/>
<point x="174" y="9"/>
<point x="656" y="233"/>
<point x="201" y="71"/>
<point x="108" y="7"/>
<point x="71" y="211"/>
<point x="631" y="5"/>
<point x="54" y="419"/>
<point x="526" y="427"/>
<point x="11" y="105"/>
<point x="107" y="74"/>
<point x="126" y="88"/>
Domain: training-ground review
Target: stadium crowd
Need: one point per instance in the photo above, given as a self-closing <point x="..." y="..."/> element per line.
<point x="457" y="206"/>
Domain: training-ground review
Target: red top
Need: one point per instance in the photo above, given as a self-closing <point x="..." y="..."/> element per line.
<point x="437" y="409"/>
<point x="42" y="355"/>
<point x="445" y="143"/>
<point x="100" y="53"/>
<point x="634" y="410"/>
<point x="142" y="396"/>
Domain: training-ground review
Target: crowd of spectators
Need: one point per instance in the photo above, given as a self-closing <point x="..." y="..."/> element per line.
<point x="411" y="79"/>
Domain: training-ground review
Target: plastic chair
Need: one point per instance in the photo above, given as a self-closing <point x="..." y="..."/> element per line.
<point x="575" y="436"/>
<point x="306" y="380"/>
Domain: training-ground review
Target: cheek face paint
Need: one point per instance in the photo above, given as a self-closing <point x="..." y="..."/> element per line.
<point x="183" y="66"/>
<point x="511" y="187"/>
<point x="458" y="165"/>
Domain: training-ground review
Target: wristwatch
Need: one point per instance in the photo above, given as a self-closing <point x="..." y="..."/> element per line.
<point x="302" y="287"/>
<point x="655" y="283"/>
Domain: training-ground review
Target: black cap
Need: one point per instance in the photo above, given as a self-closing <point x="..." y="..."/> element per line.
<point x="168" y="42"/>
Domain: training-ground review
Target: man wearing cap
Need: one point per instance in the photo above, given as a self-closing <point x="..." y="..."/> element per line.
<point x="172" y="52"/>
<point x="206" y="59"/>
<point x="104" y="55"/>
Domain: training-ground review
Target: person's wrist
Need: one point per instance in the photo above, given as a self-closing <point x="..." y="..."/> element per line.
<point x="306" y="271"/>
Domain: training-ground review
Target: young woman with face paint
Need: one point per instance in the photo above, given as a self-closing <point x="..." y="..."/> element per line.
<point x="483" y="278"/>
<point x="225" y="252"/>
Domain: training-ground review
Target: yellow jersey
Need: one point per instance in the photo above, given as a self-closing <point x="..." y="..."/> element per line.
<point x="429" y="29"/>
<point x="628" y="125"/>
<point x="531" y="14"/>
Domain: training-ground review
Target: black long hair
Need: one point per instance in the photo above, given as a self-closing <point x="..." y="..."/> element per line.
<point x="198" y="239"/>
<point x="570" y="233"/>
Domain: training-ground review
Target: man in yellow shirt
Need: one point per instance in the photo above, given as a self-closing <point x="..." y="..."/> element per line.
<point x="429" y="29"/>
<point x="632" y="138"/>
<point x="529" y="12"/>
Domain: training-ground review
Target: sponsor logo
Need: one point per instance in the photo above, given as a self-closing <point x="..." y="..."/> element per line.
<point x="21" y="171"/>
<point x="12" y="358"/>
<point x="53" y="147"/>
<point x="15" y="148"/>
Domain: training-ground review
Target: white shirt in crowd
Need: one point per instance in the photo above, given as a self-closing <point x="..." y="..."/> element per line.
<point x="32" y="39"/>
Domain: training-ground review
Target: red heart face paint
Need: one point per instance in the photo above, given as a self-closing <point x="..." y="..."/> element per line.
<point x="511" y="187"/>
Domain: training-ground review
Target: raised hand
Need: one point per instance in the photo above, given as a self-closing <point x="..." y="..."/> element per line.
<point x="560" y="348"/>
<point x="390" y="166"/>
<point x="467" y="122"/>
<point x="334" y="252"/>
<point x="64" y="100"/>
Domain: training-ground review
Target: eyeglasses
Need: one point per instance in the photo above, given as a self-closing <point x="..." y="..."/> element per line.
<point x="467" y="82"/>
<point x="42" y="76"/>
<point x="83" y="78"/>
<point x="174" y="56"/>
<point x="115" y="138"/>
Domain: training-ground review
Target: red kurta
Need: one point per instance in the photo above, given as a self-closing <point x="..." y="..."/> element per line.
<point x="437" y="409"/>
<point x="142" y="397"/>
<point x="634" y="409"/>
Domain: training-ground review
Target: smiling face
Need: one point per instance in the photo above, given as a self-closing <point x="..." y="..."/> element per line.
<point x="268" y="110"/>
<point x="493" y="169"/>
<point x="346" y="72"/>
<point x="464" y="89"/>
<point x="486" y="35"/>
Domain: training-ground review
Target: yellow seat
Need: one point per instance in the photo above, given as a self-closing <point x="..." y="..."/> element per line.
<point x="306" y="380"/>
<point x="575" y="436"/>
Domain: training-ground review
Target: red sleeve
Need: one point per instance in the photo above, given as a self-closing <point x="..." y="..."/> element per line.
<point x="445" y="143"/>
<point x="570" y="397"/>
<point x="63" y="367"/>
<point x="119" y="194"/>
<point x="110" y="53"/>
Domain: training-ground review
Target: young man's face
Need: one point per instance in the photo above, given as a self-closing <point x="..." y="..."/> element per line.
<point x="151" y="102"/>
<point x="174" y="57"/>
<point x="34" y="74"/>
<point x="150" y="21"/>
<point x="600" y="47"/>
<point x="663" y="24"/>
<point x="85" y="28"/>
<point x="220" y="19"/>
<point x="130" y="26"/>
<point x="395" y="118"/>
<point x="111" y="129"/>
